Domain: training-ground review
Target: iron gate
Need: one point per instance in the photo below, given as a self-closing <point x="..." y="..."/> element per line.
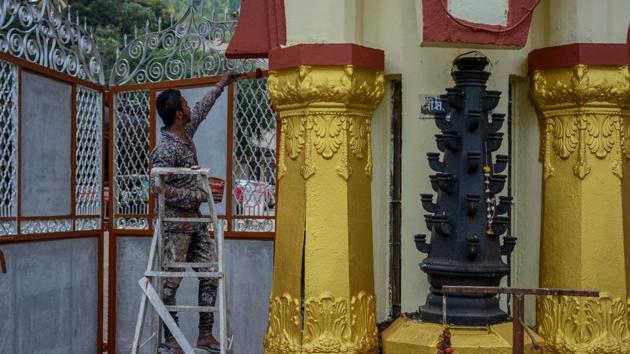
<point x="54" y="108"/>
<point x="51" y="158"/>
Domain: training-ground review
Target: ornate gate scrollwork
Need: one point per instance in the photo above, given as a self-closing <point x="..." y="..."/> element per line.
<point x="42" y="34"/>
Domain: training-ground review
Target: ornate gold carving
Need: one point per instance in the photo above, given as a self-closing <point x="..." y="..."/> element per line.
<point x="326" y="133"/>
<point x="363" y="309"/>
<point x="581" y="85"/>
<point x="295" y="138"/>
<point x="306" y="85"/>
<point x="331" y="325"/>
<point x="326" y="325"/>
<point x="583" y="111"/>
<point x="284" y="328"/>
<point x="282" y="164"/>
<point x="326" y="111"/>
<point x="584" y="325"/>
<point x="359" y="130"/>
<point x="598" y="133"/>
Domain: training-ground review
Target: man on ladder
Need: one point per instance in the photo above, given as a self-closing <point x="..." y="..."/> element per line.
<point x="185" y="241"/>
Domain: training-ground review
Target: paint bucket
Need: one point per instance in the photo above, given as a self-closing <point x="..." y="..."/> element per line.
<point x="217" y="186"/>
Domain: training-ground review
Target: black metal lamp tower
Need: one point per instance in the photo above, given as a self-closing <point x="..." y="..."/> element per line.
<point x="467" y="223"/>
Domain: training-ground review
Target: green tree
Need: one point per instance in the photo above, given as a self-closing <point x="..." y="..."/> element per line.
<point x="112" y="19"/>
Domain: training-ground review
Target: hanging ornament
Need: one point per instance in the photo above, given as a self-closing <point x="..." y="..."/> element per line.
<point x="490" y="201"/>
<point x="444" y="342"/>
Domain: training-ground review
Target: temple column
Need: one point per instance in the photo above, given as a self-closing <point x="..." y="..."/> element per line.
<point x="584" y="111"/>
<point x="322" y="298"/>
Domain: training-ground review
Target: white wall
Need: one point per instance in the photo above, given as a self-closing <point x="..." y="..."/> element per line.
<point x="588" y="21"/>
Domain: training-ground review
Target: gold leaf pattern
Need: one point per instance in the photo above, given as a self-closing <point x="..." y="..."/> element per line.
<point x="308" y="168"/>
<point x="284" y="328"/>
<point x="326" y="138"/>
<point x="580" y="86"/>
<point x="363" y="308"/>
<point x="326" y="111"/>
<point x="584" y="110"/>
<point x="358" y="135"/>
<point x="584" y="325"/>
<point x="331" y="325"/>
<point x="295" y="136"/>
<point x="565" y="135"/>
<point x="327" y="327"/>
<point x="598" y="133"/>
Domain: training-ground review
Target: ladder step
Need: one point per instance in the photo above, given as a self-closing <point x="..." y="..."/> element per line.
<point x="189" y="308"/>
<point x="216" y="275"/>
<point x="155" y="171"/>
<point x="191" y="264"/>
<point x="202" y="220"/>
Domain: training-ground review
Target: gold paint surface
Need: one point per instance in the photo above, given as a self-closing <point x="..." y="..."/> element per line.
<point x="405" y="336"/>
<point x="584" y="113"/>
<point x="324" y="211"/>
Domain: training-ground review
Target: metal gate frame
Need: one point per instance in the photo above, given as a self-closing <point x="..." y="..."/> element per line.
<point x="21" y="236"/>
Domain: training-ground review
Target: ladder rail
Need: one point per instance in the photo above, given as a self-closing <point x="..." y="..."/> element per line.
<point x="143" y="302"/>
<point x="218" y="236"/>
<point x="160" y="245"/>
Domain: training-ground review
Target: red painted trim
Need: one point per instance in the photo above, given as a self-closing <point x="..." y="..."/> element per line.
<point x="579" y="53"/>
<point x="261" y="27"/>
<point x="440" y="27"/>
<point x="327" y="54"/>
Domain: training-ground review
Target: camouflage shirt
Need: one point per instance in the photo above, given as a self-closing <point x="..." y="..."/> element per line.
<point x="182" y="193"/>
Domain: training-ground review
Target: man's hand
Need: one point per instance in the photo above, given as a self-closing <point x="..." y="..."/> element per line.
<point x="201" y="195"/>
<point x="229" y="77"/>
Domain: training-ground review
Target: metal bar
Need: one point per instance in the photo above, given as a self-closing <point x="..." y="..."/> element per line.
<point x="229" y="183"/>
<point x="218" y="237"/>
<point x="517" y="327"/>
<point x="184" y="83"/>
<point x="191" y="308"/>
<point x="3" y="263"/>
<point x="111" y="239"/>
<point x="163" y="313"/>
<point x="153" y="248"/>
<point x="18" y="194"/>
<point x="200" y="220"/>
<point x="190" y="264"/>
<point x="532" y="336"/>
<point x="179" y="171"/>
<point x="153" y="273"/>
<point x="148" y="339"/>
<point x="152" y="143"/>
<point x="394" y="205"/>
<point x="25" y="64"/>
<point x="160" y="245"/>
<point x="25" y="238"/>
<point x="139" y="326"/>
<point x="73" y="156"/>
<point x="454" y="290"/>
<point x="143" y="302"/>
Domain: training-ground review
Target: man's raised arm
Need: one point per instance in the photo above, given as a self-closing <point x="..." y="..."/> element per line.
<point x="202" y="108"/>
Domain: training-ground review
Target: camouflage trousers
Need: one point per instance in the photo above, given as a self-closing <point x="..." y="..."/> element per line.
<point x="190" y="247"/>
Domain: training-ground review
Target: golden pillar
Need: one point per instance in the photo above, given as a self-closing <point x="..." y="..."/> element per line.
<point x="584" y="111"/>
<point x="322" y="299"/>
